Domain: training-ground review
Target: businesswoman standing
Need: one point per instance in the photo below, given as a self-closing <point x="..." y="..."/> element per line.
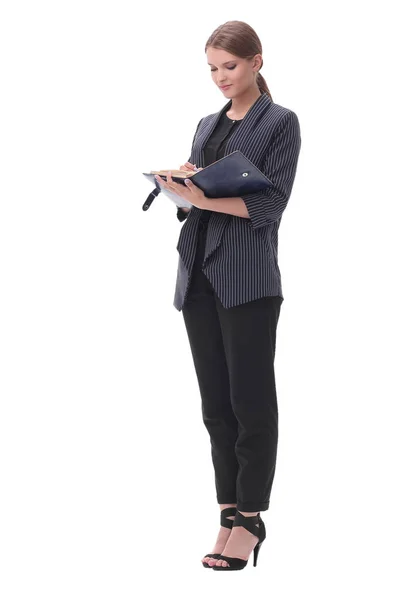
<point x="229" y="288"/>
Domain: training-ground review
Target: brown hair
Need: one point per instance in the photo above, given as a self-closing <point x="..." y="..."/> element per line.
<point x="238" y="38"/>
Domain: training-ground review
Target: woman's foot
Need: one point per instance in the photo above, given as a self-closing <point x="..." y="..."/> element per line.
<point x="222" y="538"/>
<point x="240" y="544"/>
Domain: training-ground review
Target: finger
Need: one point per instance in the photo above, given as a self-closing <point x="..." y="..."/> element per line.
<point x="172" y="185"/>
<point x="161" y="182"/>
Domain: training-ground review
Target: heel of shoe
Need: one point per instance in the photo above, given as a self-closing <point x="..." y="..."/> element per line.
<point x="256" y="551"/>
<point x="262" y="534"/>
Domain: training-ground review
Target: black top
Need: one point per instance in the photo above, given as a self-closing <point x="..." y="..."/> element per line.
<point x="214" y="150"/>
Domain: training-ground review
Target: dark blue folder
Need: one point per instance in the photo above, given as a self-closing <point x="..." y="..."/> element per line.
<point x="230" y="176"/>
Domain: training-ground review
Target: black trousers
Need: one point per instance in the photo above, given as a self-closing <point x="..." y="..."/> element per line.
<point x="233" y="352"/>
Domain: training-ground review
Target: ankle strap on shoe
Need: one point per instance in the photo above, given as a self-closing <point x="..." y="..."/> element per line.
<point x="250" y="523"/>
<point x="230" y="511"/>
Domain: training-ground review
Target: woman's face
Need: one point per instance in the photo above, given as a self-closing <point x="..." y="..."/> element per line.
<point x="230" y="70"/>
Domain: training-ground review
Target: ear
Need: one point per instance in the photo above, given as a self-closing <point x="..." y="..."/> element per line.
<point x="258" y="62"/>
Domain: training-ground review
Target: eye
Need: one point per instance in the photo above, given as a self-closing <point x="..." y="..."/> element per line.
<point x="230" y="68"/>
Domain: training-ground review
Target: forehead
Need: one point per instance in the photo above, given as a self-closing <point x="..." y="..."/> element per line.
<point x="216" y="56"/>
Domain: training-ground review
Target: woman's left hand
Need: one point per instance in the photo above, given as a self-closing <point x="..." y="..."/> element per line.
<point x="189" y="191"/>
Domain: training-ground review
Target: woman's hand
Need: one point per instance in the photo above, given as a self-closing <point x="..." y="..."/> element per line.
<point x="189" y="167"/>
<point x="189" y="191"/>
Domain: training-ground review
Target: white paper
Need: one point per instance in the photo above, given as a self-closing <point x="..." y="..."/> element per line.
<point x="176" y="199"/>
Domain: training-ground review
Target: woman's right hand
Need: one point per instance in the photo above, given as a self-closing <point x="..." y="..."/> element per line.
<point x="189" y="167"/>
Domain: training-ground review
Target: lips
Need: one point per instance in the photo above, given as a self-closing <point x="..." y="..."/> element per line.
<point x="225" y="87"/>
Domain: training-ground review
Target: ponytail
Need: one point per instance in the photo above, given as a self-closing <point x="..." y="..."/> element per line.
<point x="262" y="84"/>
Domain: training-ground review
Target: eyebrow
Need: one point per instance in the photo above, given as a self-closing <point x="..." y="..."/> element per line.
<point x="225" y="63"/>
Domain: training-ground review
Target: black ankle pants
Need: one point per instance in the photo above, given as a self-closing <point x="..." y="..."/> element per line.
<point x="233" y="352"/>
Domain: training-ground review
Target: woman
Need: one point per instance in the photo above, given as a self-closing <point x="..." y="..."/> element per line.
<point x="229" y="288"/>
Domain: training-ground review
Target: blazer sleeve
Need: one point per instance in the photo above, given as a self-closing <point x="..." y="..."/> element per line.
<point x="280" y="167"/>
<point x="181" y="215"/>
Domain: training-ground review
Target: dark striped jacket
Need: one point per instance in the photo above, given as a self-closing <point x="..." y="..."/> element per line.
<point x="240" y="257"/>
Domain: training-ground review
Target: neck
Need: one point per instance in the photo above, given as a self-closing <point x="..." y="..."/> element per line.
<point x="242" y="103"/>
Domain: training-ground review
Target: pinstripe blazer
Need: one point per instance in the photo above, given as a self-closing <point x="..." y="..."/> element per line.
<point x="240" y="258"/>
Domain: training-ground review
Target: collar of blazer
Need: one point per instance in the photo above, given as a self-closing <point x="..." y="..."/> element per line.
<point x="248" y="123"/>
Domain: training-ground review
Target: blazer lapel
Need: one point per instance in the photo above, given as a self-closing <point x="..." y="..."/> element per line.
<point x="240" y="137"/>
<point x="248" y="123"/>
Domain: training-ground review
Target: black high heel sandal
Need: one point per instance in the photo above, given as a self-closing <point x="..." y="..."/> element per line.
<point x="256" y="526"/>
<point x="230" y="511"/>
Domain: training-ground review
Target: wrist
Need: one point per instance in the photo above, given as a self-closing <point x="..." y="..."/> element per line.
<point x="205" y="205"/>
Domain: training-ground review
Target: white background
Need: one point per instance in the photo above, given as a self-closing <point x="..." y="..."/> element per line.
<point x="106" y="475"/>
